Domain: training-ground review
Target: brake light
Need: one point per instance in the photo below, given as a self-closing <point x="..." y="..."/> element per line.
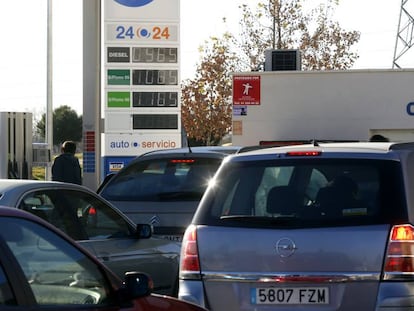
<point x="182" y="161"/>
<point x="189" y="261"/>
<point x="303" y="153"/>
<point x="92" y="211"/>
<point x="399" y="259"/>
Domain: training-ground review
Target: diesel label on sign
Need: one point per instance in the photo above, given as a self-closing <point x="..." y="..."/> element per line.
<point x="118" y="55"/>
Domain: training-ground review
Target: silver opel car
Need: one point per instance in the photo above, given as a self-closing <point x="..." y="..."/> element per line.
<point x="326" y="226"/>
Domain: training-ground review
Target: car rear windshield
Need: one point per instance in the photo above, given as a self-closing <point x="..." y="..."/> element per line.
<point x="305" y="193"/>
<point x="173" y="179"/>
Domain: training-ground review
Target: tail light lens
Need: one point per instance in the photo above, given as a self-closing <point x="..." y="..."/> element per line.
<point x="189" y="260"/>
<point x="399" y="259"/>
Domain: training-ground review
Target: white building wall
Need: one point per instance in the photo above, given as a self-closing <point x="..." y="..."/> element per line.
<point x="329" y="105"/>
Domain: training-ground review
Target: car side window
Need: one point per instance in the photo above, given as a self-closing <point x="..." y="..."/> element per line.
<point x="78" y="214"/>
<point x="38" y="204"/>
<point x="56" y="271"/>
<point x="52" y="206"/>
<point x="6" y="294"/>
<point x="98" y="220"/>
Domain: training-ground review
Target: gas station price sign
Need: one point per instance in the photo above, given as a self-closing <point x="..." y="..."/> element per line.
<point x="142" y="66"/>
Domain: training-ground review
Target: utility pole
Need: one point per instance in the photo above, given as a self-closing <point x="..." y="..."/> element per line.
<point x="49" y="108"/>
<point x="405" y="34"/>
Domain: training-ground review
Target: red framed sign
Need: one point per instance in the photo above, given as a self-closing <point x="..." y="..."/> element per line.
<point x="246" y="90"/>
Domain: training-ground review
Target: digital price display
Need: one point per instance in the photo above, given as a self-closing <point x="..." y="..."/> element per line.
<point x="155" y="121"/>
<point x="155" y="77"/>
<point x="155" y="99"/>
<point x="154" y="55"/>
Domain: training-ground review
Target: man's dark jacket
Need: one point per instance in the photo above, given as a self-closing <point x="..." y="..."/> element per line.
<point x="66" y="168"/>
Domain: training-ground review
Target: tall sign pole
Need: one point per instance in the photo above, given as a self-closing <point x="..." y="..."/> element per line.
<point x="91" y="92"/>
<point x="49" y="78"/>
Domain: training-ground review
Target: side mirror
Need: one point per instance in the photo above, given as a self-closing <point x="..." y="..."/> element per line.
<point x="137" y="284"/>
<point x="144" y="231"/>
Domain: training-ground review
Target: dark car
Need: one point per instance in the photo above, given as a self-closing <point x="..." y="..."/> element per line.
<point x="323" y="226"/>
<point x="98" y="226"/>
<point x="41" y="268"/>
<point x="163" y="187"/>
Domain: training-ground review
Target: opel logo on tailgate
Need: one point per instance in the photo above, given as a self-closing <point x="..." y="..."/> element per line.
<point x="285" y="247"/>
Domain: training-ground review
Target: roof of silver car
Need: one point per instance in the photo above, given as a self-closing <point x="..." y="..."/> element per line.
<point x="366" y="147"/>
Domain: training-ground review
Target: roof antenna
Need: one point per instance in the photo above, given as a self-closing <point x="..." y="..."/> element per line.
<point x="185" y="135"/>
<point x="188" y="145"/>
<point x="315" y="143"/>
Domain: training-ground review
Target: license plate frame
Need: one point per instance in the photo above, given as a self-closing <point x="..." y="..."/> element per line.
<point x="306" y="295"/>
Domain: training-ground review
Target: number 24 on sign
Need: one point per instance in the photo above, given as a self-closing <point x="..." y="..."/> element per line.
<point x="157" y="32"/>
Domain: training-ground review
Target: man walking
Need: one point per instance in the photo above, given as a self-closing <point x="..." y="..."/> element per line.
<point x="66" y="166"/>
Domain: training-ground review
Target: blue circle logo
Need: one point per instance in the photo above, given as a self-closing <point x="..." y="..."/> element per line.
<point x="143" y="33"/>
<point x="133" y="3"/>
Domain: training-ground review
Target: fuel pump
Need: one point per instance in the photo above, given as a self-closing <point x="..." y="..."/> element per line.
<point x="16" y="137"/>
